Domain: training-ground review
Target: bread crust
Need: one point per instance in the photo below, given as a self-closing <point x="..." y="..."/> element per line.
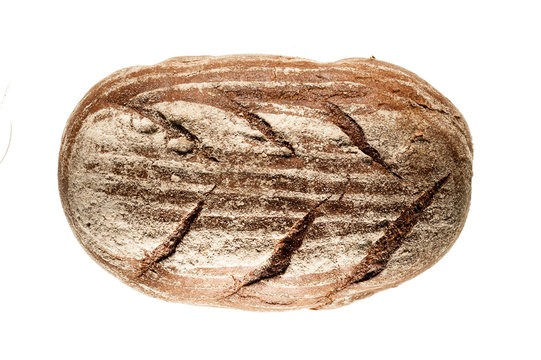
<point x="265" y="182"/>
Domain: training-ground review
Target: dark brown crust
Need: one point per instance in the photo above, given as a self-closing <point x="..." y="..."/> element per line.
<point x="264" y="192"/>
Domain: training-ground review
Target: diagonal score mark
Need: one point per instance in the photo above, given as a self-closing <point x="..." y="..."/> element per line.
<point x="381" y="251"/>
<point x="222" y="100"/>
<point x="159" y="119"/>
<point x="177" y="126"/>
<point x="169" y="246"/>
<point x="354" y="131"/>
<point x="172" y="129"/>
<point x="279" y="260"/>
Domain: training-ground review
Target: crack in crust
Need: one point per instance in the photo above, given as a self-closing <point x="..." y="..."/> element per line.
<point x="172" y="129"/>
<point x="280" y="258"/>
<point x="354" y="131"/>
<point x="159" y="119"/>
<point x="225" y="102"/>
<point x="177" y="126"/>
<point x="381" y="251"/>
<point x="169" y="246"/>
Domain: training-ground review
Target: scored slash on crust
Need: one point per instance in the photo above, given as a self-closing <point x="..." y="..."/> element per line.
<point x="354" y="131"/>
<point x="223" y="101"/>
<point x="169" y="246"/>
<point x="281" y="255"/>
<point x="172" y="129"/>
<point x="381" y="251"/>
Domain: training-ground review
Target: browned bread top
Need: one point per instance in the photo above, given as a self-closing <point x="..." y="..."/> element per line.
<point x="265" y="182"/>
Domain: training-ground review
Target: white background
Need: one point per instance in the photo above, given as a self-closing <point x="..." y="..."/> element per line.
<point x="481" y="301"/>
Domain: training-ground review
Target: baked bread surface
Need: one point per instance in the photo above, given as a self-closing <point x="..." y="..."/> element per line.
<point x="265" y="182"/>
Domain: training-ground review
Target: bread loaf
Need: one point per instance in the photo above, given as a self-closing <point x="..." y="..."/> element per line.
<point x="265" y="182"/>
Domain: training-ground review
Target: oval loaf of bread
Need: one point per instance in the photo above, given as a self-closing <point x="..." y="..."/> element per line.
<point x="265" y="182"/>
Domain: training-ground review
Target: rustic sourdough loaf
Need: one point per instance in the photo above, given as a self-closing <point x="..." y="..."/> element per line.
<point x="265" y="182"/>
